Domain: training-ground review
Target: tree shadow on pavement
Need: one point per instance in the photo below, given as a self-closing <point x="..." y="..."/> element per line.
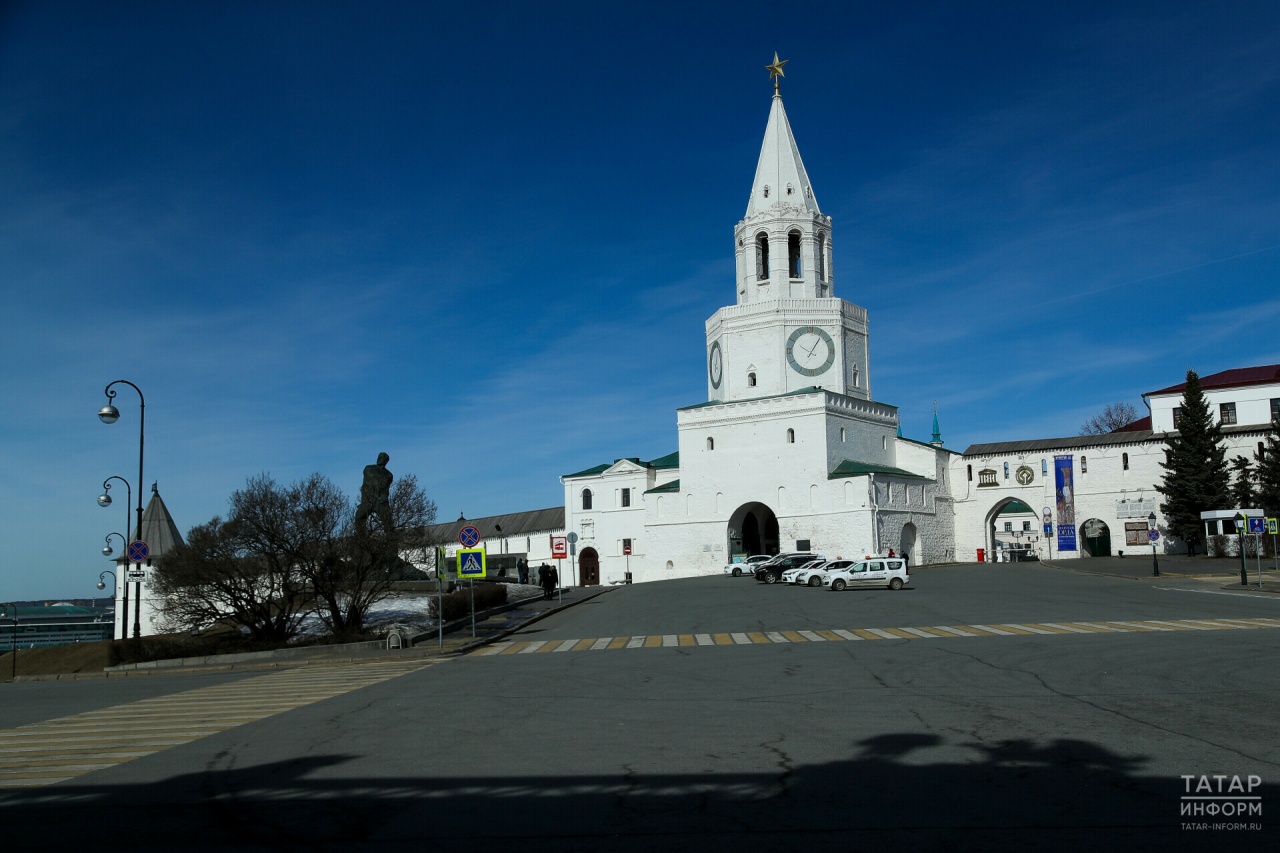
<point x="1014" y="794"/>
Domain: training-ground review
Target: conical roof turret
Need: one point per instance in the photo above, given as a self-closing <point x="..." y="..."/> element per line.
<point x="781" y="179"/>
<point x="158" y="529"/>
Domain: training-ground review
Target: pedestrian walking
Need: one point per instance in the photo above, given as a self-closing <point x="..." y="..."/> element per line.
<point x="546" y="581"/>
<point x="522" y="568"/>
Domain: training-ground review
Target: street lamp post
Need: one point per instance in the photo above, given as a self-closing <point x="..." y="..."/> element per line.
<point x="109" y="414"/>
<point x="13" y="652"/>
<point x="104" y="500"/>
<point x="1155" y="561"/>
<point x="124" y="615"/>
<point x="103" y="585"/>
<point x="1241" y="524"/>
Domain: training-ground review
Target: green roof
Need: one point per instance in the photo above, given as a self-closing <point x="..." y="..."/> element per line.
<point x="673" y="486"/>
<point x="849" y="468"/>
<point x="812" y="389"/>
<point x="1013" y="507"/>
<point x="927" y="444"/>
<point x="599" y="469"/>
<point x="671" y="460"/>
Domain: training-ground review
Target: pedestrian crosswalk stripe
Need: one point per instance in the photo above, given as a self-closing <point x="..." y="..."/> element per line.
<point x="52" y="751"/>
<point x="935" y="632"/>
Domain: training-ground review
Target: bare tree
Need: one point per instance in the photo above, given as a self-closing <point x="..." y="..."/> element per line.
<point x="1112" y="417"/>
<point x="352" y="572"/>
<point x="285" y="552"/>
<point x="218" y="576"/>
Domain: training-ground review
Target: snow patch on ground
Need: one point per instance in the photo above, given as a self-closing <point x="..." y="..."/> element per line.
<point x="412" y="609"/>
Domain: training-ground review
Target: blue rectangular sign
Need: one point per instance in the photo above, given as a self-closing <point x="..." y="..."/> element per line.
<point x="1257" y="525"/>
<point x="1064" y="481"/>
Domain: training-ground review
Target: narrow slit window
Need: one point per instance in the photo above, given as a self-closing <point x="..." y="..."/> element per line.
<point x="791" y="436"/>
<point x="711" y="443"/>
<point x="762" y="257"/>
<point x="1084" y="465"/>
<point x="1124" y="460"/>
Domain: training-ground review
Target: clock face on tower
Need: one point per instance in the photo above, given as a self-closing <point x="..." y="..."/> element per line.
<point x="810" y="351"/>
<point x="715" y="365"/>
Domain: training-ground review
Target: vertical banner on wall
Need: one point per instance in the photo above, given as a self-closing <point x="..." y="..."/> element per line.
<point x="1066" y="499"/>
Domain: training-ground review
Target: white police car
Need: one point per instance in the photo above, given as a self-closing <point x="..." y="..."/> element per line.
<point x="892" y="572"/>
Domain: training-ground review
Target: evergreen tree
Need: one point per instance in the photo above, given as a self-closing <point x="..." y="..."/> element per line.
<point x="1268" y="472"/>
<point x="1196" y="478"/>
<point x="1242" y="487"/>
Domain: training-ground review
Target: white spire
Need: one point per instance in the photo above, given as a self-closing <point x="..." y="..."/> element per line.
<point x="780" y="168"/>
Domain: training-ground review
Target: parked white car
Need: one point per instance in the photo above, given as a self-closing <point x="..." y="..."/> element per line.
<point x="790" y="575"/>
<point x="816" y="575"/>
<point x="747" y="566"/>
<point x="892" y="572"/>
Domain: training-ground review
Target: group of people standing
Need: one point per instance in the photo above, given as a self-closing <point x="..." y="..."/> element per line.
<point x="548" y="577"/>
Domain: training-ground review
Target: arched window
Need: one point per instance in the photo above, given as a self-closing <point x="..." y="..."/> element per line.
<point x="1124" y="460"/>
<point x="1084" y="465"/>
<point x="766" y="190"/>
<point x="842" y="433"/>
<point x="791" y="436"/>
<point x="762" y="257"/>
<point x="793" y="255"/>
<point x="970" y="467"/>
<point x="822" y="256"/>
<point x="751" y="380"/>
<point x="711" y="443"/>
<point x="855" y="376"/>
<point x="1006" y="470"/>
<point x="586" y="499"/>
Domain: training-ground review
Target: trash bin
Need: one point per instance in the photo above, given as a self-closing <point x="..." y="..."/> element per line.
<point x="982" y="554"/>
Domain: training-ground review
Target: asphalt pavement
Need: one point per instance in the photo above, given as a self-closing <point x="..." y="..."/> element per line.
<point x="1017" y="737"/>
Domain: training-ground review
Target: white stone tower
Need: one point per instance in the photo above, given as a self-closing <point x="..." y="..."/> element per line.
<point x="787" y="331"/>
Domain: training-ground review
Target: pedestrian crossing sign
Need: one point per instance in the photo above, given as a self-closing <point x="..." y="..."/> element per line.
<point x="1271" y="526"/>
<point x="471" y="563"/>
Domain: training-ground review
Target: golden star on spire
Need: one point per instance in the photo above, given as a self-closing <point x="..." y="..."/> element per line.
<point x="775" y="70"/>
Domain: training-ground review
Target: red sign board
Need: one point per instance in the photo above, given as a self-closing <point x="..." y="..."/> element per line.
<point x="559" y="548"/>
<point x="626" y="550"/>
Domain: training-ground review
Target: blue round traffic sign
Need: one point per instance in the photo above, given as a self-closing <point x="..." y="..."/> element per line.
<point x="1153" y="535"/>
<point x="138" y="551"/>
<point x="469" y="537"/>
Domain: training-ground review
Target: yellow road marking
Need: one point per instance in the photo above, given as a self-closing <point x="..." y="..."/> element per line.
<point x="722" y="639"/>
<point x="830" y="635"/>
<point x="794" y="636"/>
<point x="583" y="644"/>
<point x="687" y="640"/>
<point x="757" y="637"/>
<point x="618" y="642"/>
<point x="653" y="642"/>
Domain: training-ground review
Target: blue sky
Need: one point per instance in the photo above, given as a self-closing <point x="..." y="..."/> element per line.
<point x="484" y="237"/>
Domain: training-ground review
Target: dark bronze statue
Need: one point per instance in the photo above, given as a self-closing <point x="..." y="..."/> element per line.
<point x="375" y="496"/>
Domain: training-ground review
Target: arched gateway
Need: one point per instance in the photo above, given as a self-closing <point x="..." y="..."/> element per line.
<point x="589" y="567"/>
<point x="753" y="529"/>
